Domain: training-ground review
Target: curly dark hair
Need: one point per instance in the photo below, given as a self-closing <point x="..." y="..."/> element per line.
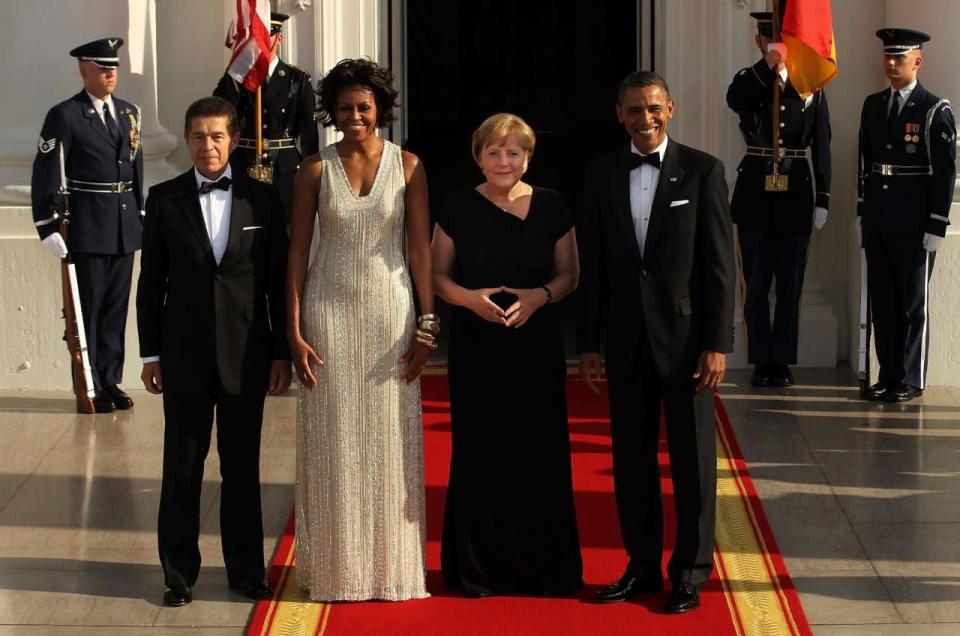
<point x="364" y="72"/>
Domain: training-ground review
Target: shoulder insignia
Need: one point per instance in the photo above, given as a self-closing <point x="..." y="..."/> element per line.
<point x="46" y="145"/>
<point x="743" y="72"/>
<point x="297" y="68"/>
<point x="946" y="137"/>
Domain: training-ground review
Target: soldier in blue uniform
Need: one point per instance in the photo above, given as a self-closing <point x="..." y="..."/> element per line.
<point x="774" y="227"/>
<point x="98" y="136"/>
<point x="906" y="181"/>
<point x="288" y="115"/>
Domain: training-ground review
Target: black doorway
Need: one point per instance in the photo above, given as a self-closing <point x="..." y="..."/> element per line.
<point x="556" y="63"/>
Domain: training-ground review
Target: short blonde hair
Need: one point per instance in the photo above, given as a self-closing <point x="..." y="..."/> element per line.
<point x="499" y="129"/>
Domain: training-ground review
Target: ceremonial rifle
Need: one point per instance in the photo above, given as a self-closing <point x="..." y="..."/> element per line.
<point x="74" y="334"/>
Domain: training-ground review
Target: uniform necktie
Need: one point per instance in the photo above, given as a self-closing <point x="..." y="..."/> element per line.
<point x="111" y="124"/>
<point x="635" y="160"/>
<point x="223" y="183"/>
<point x="894" y="109"/>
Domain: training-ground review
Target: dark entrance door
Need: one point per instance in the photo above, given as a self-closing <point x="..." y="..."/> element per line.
<point x="556" y="63"/>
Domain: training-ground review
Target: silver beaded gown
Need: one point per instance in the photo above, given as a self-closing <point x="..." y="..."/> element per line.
<point x="359" y="496"/>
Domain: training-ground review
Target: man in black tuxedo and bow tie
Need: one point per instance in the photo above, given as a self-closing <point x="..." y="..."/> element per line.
<point x="210" y="311"/>
<point x="656" y="289"/>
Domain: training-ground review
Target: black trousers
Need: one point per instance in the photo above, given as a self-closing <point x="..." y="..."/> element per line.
<point x="103" y="281"/>
<point x="765" y="255"/>
<point x="188" y="422"/>
<point x="635" y="402"/>
<point x="898" y="274"/>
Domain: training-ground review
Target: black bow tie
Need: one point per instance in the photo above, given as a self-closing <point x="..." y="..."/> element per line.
<point x="634" y="161"/>
<point x="223" y="183"/>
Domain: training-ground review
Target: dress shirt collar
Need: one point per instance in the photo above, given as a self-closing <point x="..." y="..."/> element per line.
<point x="202" y="179"/>
<point x="661" y="149"/>
<point x="273" y="66"/>
<point x="904" y="92"/>
<point x="98" y="104"/>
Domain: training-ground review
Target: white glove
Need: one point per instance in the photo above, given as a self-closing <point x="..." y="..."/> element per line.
<point x="780" y="48"/>
<point x="931" y="242"/>
<point x="55" y="244"/>
<point x="819" y="217"/>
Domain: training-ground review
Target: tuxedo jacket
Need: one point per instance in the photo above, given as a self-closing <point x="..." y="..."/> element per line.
<point x="679" y="293"/>
<point x="922" y="138"/>
<point x="100" y="222"/>
<point x="206" y="320"/>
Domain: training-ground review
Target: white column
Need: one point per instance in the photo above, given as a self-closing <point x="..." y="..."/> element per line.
<point x="36" y="38"/>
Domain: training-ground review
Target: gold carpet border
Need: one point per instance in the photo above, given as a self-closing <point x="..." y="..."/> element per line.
<point x="291" y="612"/>
<point x="748" y="575"/>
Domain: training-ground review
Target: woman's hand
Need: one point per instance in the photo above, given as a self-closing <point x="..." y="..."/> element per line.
<point x="304" y="360"/>
<point x="416" y="358"/>
<point x="480" y="304"/>
<point x="527" y="303"/>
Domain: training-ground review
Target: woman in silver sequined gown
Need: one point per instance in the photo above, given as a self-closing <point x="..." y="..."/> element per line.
<point x="359" y="495"/>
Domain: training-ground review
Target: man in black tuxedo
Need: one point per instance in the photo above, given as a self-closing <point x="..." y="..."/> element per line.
<point x="656" y="285"/>
<point x="211" y="316"/>
<point x="97" y="135"/>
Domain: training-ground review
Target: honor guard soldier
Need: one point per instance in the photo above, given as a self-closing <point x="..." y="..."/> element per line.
<point x="288" y="115"/>
<point x="774" y="220"/>
<point x="906" y="182"/>
<point x="97" y="138"/>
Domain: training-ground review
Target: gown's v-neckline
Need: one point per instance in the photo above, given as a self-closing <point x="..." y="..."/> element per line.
<point x="376" y="177"/>
<point x="502" y="211"/>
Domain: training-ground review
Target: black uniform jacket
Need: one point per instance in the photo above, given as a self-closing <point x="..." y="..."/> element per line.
<point x="679" y="294"/>
<point x="289" y="106"/>
<point x="100" y="223"/>
<point x="801" y="125"/>
<point x="205" y="319"/>
<point x="908" y="205"/>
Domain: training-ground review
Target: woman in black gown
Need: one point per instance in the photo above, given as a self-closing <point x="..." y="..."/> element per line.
<point x="503" y="253"/>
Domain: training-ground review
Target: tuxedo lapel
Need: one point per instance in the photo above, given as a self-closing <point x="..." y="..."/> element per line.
<point x="620" y="187"/>
<point x="189" y="202"/>
<point x="241" y="216"/>
<point x="671" y="175"/>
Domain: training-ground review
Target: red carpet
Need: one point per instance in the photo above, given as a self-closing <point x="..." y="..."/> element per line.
<point x="749" y="593"/>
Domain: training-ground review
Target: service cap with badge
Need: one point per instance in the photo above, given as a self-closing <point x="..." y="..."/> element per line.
<point x="276" y="22"/>
<point x="897" y="41"/>
<point x="103" y="52"/>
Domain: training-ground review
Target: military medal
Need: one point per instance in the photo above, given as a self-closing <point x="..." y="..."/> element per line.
<point x="908" y="137"/>
<point x="911" y="130"/>
<point x="134" y="135"/>
<point x="910" y="148"/>
<point x="916" y="138"/>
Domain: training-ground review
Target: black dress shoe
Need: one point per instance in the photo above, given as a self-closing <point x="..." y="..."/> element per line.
<point x="901" y="393"/>
<point x="781" y="377"/>
<point x="684" y="597"/>
<point x="254" y="590"/>
<point x="761" y="375"/>
<point x="121" y="401"/>
<point x="177" y="596"/>
<point x="103" y="403"/>
<point x="628" y="586"/>
<point x="874" y="392"/>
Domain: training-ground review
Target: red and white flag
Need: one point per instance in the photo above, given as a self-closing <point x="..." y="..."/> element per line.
<point x="249" y="37"/>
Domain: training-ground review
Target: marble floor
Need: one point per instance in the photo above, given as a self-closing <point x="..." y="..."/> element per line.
<point x="864" y="500"/>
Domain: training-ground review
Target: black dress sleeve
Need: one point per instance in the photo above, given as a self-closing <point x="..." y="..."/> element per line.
<point x="450" y="214"/>
<point x="558" y="218"/>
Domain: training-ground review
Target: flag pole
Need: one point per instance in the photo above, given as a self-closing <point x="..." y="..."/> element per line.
<point x="258" y="170"/>
<point x="776" y="182"/>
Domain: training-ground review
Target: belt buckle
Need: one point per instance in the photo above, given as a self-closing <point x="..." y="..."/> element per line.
<point x="120" y="187"/>
<point x="886" y="169"/>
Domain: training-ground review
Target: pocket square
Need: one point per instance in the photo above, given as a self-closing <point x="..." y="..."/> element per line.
<point x="253" y="227"/>
<point x="674" y="204"/>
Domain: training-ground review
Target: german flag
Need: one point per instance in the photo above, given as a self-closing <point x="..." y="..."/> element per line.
<point x="808" y="33"/>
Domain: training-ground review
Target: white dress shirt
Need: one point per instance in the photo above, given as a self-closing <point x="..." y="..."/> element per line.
<point x="98" y="107"/>
<point x="904" y="96"/>
<point x="272" y="67"/>
<point x="216" y="206"/>
<point x="643" y="185"/>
